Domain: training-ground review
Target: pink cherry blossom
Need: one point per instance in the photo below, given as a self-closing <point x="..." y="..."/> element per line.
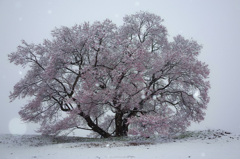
<point x="111" y="80"/>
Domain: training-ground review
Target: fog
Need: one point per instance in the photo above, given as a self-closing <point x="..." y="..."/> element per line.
<point x="215" y="24"/>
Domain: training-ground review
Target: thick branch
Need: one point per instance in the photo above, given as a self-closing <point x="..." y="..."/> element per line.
<point x="94" y="127"/>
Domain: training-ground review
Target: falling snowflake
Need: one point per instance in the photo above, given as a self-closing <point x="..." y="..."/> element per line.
<point x="203" y="154"/>
<point x="49" y="11"/>
<point x="137" y="3"/>
<point x="154" y="97"/>
<point x="18" y="5"/>
<point x="97" y="84"/>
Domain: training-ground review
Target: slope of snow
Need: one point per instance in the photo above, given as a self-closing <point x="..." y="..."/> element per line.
<point x="197" y="145"/>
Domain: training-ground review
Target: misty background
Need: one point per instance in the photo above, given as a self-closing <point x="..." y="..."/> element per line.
<point x="213" y="23"/>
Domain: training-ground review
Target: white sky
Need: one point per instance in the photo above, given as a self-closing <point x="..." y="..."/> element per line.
<point x="213" y="23"/>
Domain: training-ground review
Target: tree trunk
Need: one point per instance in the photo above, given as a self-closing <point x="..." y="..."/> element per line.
<point x="125" y="127"/>
<point x="120" y="124"/>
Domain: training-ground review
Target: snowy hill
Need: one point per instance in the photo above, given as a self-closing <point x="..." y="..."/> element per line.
<point x="195" y="144"/>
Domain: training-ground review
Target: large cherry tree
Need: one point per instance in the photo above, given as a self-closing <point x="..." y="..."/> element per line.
<point x="111" y="80"/>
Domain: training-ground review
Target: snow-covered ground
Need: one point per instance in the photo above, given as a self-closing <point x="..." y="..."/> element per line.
<point x="209" y="144"/>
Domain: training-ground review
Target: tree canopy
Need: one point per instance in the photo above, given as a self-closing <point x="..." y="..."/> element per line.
<point x="112" y="80"/>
